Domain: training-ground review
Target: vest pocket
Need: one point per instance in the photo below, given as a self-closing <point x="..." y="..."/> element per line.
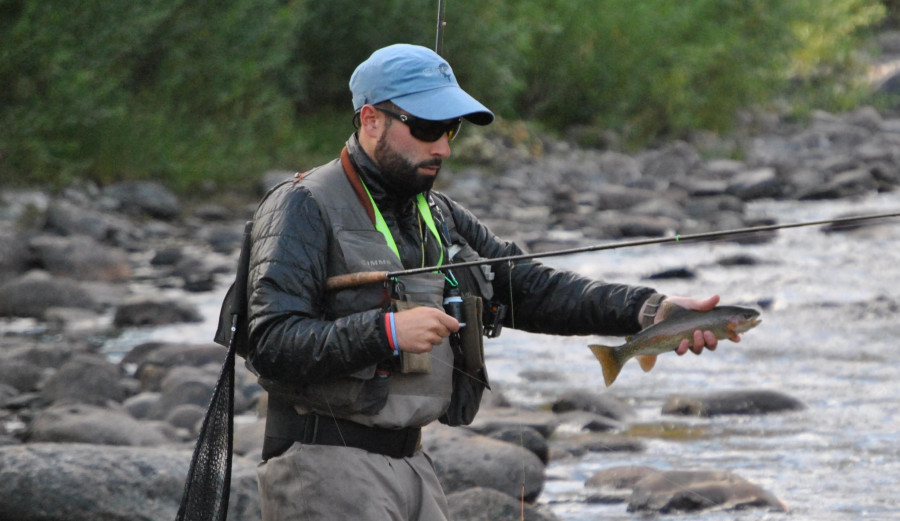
<point x="426" y="289"/>
<point x="364" y="392"/>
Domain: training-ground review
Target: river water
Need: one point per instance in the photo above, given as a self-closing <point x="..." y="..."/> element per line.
<point x="828" y="338"/>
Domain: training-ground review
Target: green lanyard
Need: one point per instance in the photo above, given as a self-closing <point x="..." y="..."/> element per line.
<point x="424" y="211"/>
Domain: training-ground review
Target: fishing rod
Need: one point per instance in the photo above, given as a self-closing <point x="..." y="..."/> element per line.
<point x="369" y="277"/>
<point x="439" y="34"/>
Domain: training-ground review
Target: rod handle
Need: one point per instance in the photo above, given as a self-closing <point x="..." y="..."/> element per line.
<point x="355" y="279"/>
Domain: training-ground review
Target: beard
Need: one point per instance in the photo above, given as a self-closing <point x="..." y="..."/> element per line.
<point x="400" y="175"/>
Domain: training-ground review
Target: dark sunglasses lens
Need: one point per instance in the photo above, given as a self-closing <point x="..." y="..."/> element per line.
<point x="431" y="131"/>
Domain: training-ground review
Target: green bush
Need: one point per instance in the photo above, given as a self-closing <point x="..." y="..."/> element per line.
<point x="191" y="92"/>
<point x="173" y="90"/>
<point x="661" y="68"/>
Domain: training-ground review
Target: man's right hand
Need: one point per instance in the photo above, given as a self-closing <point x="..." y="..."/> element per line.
<point x="421" y="328"/>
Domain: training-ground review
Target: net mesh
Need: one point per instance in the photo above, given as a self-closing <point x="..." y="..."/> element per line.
<point x="208" y="484"/>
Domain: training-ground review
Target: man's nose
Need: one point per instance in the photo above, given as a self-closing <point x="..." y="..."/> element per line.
<point x="441" y="147"/>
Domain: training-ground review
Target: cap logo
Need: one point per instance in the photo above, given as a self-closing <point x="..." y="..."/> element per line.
<point x="442" y="69"/>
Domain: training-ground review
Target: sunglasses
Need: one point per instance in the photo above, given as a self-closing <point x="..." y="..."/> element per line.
<point x="426" y="129"/>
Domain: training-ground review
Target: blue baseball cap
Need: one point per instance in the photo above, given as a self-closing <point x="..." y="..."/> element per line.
<point x="417" y="80"/>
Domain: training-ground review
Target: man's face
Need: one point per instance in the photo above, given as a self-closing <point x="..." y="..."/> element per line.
<point x="409" y="165"/>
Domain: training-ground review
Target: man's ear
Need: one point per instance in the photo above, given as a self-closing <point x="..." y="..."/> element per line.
<point x="371" y="121"/>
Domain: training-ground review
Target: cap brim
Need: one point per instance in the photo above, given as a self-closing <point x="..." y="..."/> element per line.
<point x="445" y="103"/>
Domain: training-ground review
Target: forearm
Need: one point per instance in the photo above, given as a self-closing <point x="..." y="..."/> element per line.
<point x="546" y="300"/>
<point x="560" y="302"/>
<point x="292" y="348"/>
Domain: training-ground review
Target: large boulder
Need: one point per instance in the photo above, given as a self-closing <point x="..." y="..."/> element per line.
<point x="485" y="504"/>
<point x="464" y="460"/>
<point x="143" y="197"/>
<point x="82" y="423"/>
<point x="86" y="378"/>
<point x="731" y="402"/>
<point x="602" y="404"/>
<point x="155" y="312"/>
<point x="67" y="218"/>
<point x="80" y="257"/>
<point x="692" y="491"/>
<point x="74" y="482"/>
<point x="33" y="293"/>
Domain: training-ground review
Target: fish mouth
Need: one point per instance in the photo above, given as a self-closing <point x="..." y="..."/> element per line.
<point x="748" y="325"/>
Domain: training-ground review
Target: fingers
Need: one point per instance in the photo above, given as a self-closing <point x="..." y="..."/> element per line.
<point x="696" y="344"/>
<point x="419" y="329"/>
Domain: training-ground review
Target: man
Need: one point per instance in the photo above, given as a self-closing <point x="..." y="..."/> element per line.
<point x="353" y="373"/>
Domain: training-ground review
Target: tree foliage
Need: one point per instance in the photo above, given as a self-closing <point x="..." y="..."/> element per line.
<point x="193" y="91"/>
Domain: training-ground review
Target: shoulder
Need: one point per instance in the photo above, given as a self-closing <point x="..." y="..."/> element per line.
<point x="453" y="210"/>
<point x="295" y="192"/>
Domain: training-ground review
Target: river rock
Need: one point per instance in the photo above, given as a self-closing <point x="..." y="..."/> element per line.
<point x="249" y="434"/>
<point x="628" y="225"/>
<point x="152" y="362"/>
<point x="525" y="437"/>
<point x="21" y="375"/>
<point x="155" y="312"/>
<point x="731" y="402"/>
<point x="581" y="421"/>
<point x="186" y="416"/>
<point x="24" y="209"/>
<point x="614" y="485"/>
<point x="184" y="393"/>
<point x="846" y="184"/>
<point x="671" y="161"/>
<point x="577" y="445"/>
<point x="485" y="504"/>
<point x="67" y="218"/>
<point x="76" y="482"/>
<point x="692" y="491"/>
<point x="503" y="417"/>
<point x="143" y="197"/>
<point x="83" y="423"/>
<point x="86" y="378"/>
<point x="139" y="405"/>
<point x="616" y="197"/>
<point x="464" y="460"/>
<point x="80" y="257"/>
<point x="32" y="294"/>
<point x="14" y="255"/>
<point x="602" y="404"/>
<point x="619" y="477"/>
<point x="755" y="184"/>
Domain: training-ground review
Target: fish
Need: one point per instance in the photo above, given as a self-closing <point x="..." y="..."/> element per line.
<point x="724" y="321"/>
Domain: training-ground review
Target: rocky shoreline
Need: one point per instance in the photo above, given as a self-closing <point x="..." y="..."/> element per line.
<point x="88" y="436"/>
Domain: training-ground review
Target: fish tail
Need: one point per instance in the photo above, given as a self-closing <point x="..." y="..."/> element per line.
<point x="608" y="362"/>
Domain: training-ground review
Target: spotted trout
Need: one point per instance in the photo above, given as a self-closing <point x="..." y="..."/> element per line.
<point x="724" y="321"/>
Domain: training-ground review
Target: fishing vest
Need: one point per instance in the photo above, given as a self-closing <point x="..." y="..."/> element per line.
<point x="368" y="396"/>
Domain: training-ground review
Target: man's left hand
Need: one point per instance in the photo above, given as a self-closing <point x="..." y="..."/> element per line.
<point x="701" y="338"/>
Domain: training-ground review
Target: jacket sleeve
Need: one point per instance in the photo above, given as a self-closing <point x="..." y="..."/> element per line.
<point x="291" y="341"/>
<point x="547" y="300"/>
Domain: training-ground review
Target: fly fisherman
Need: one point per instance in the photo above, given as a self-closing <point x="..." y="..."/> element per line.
<point x="354" y="373"/>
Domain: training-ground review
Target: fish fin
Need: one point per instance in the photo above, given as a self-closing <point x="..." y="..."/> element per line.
<point x="647" y="362"/>
<point x="732" y="334"/>
<point x="608" y="362"/>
